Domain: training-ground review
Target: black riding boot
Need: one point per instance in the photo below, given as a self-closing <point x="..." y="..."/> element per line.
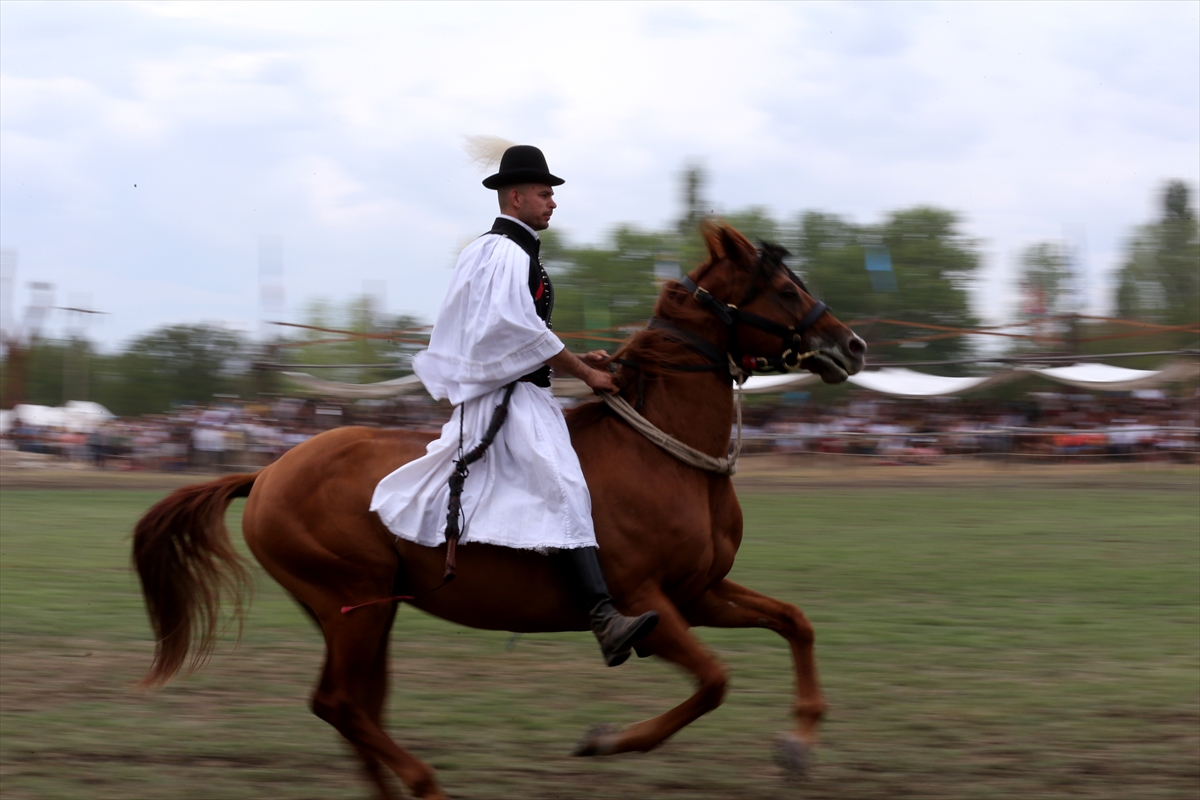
<point x="616" y="632"/>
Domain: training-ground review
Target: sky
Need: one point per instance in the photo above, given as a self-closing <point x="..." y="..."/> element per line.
<point x="148" y="149"/>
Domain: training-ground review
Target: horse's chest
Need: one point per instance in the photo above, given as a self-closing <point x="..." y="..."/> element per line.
<point x="724" y="543"/>
<point x="705" y="546"/>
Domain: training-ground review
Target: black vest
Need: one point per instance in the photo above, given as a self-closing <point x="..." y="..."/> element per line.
<point x="539" y="281"/>
<point x="540" y="287"/>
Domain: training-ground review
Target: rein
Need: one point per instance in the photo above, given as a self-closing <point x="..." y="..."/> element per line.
<point x="685" y="453"/>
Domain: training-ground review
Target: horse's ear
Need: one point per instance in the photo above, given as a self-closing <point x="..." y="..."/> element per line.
<point x="775" y="252"/>
<point x="725" y="242"/>
<point x="711" y="231"/>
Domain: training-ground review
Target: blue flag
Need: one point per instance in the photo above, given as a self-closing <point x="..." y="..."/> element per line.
<point x="879" y="268"/>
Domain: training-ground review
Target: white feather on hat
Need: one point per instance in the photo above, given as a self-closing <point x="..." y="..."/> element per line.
<point x="485" y="151"/>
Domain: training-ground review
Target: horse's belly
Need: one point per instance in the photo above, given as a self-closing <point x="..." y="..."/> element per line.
<point x="496" y="588"/>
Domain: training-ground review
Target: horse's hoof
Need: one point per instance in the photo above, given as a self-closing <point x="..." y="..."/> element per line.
<point x="600" y="740"/>
<point x="793" y="755"/>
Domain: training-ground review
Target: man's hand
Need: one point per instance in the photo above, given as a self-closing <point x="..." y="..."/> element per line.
<point x="598" y="380"/>
<point x="596" y="356"/>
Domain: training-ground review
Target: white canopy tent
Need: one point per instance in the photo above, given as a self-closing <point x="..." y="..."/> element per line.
<point x="901" y="382"/>
<point x="894" y="381"/>
<point x="77" y="416"/>
<point x="1107" y="378"/>
<point x="356" y="391"/>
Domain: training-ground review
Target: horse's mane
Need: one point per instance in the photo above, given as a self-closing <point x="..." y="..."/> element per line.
<point x="653" y="350"/>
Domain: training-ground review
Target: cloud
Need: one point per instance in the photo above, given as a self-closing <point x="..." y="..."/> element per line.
<point x="337" y="128"/>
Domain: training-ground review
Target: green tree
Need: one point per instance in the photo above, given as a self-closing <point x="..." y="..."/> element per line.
<point x="607" y="287"/>
<point x="616" y="284"/>
<point x="344" y="335"/>
<point x="757" y="225"/>
<point x="1045" y="270"/>
<point x="1160" y="278"/>
<point x="171" y="365"/>
<point x="57" y="370"/>
<point x="933" y="264"/>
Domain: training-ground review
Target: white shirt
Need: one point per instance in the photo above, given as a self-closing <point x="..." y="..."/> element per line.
<point x="487" y="332"/>
<point x="528" y="492"/>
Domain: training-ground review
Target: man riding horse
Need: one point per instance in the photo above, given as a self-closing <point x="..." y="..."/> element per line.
<point x="492" y="347"/>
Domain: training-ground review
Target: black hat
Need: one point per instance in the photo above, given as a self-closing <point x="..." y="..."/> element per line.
<point x="522" y="163"/>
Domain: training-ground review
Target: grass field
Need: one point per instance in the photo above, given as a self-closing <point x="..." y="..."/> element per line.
<point x="1031" y="635"/>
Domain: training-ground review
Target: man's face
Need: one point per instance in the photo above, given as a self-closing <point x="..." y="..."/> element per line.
<point x="533" y="204"/>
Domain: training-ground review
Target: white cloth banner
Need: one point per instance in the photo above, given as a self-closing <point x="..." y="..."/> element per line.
<point x="77" y="416"/>
<point x="1120" y="379"/>
<point x="895" y="381"/>
<point x="356" y="391"/>
<point x="900" y="382"/>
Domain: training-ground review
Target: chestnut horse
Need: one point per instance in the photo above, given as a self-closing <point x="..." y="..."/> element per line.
<point x="668" y="532"/>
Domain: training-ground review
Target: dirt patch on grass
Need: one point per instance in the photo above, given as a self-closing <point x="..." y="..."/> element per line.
<point x="499" y="727"/>
<point x="758" y="472"/>
<point x="772" y="472"/>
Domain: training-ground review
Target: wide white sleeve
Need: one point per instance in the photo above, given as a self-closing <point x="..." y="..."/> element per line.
<point x="487" y="332"/>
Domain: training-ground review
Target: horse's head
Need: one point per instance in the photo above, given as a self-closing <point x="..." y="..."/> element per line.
<point x="772" y="322"/>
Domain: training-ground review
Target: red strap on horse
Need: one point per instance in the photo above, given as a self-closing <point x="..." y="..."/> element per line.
<point x="401" y="597"/>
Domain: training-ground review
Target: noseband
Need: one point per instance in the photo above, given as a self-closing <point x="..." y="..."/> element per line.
<point x="734" y="359"/>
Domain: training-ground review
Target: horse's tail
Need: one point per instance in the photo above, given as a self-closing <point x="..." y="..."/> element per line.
<point x="186" y="562"/>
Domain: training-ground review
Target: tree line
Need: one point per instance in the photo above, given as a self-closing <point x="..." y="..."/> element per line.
<point x="198" y="363"/>
<point x="915" y="266"/>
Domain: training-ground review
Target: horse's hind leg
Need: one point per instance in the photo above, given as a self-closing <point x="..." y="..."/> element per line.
<point x="351" y="694"/>
<point x="729" y="605"/>
<point x="672" y="641"/>
<point x="373" y="696"/>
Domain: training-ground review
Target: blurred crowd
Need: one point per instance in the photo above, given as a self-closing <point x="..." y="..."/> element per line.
<point x="1047" y="426"/>
<point x="223" y="437"/>
<point x="1050" y="426"/>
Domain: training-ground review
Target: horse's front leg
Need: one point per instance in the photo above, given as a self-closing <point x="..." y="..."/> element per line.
<point x="670" y="640"/>
<point x="729" y="605"/>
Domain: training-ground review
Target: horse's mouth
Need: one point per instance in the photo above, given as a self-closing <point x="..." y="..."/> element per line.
<point x="829" y="366"/>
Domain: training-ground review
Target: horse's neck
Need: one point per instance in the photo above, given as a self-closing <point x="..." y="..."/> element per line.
<point x="694" y="407"/>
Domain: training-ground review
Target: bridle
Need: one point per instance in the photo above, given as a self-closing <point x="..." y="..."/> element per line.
<point x="736" y="364"/>
<point x="739" y="364"/>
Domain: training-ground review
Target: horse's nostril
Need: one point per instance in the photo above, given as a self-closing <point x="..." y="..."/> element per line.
<point x="856" y="346"/>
